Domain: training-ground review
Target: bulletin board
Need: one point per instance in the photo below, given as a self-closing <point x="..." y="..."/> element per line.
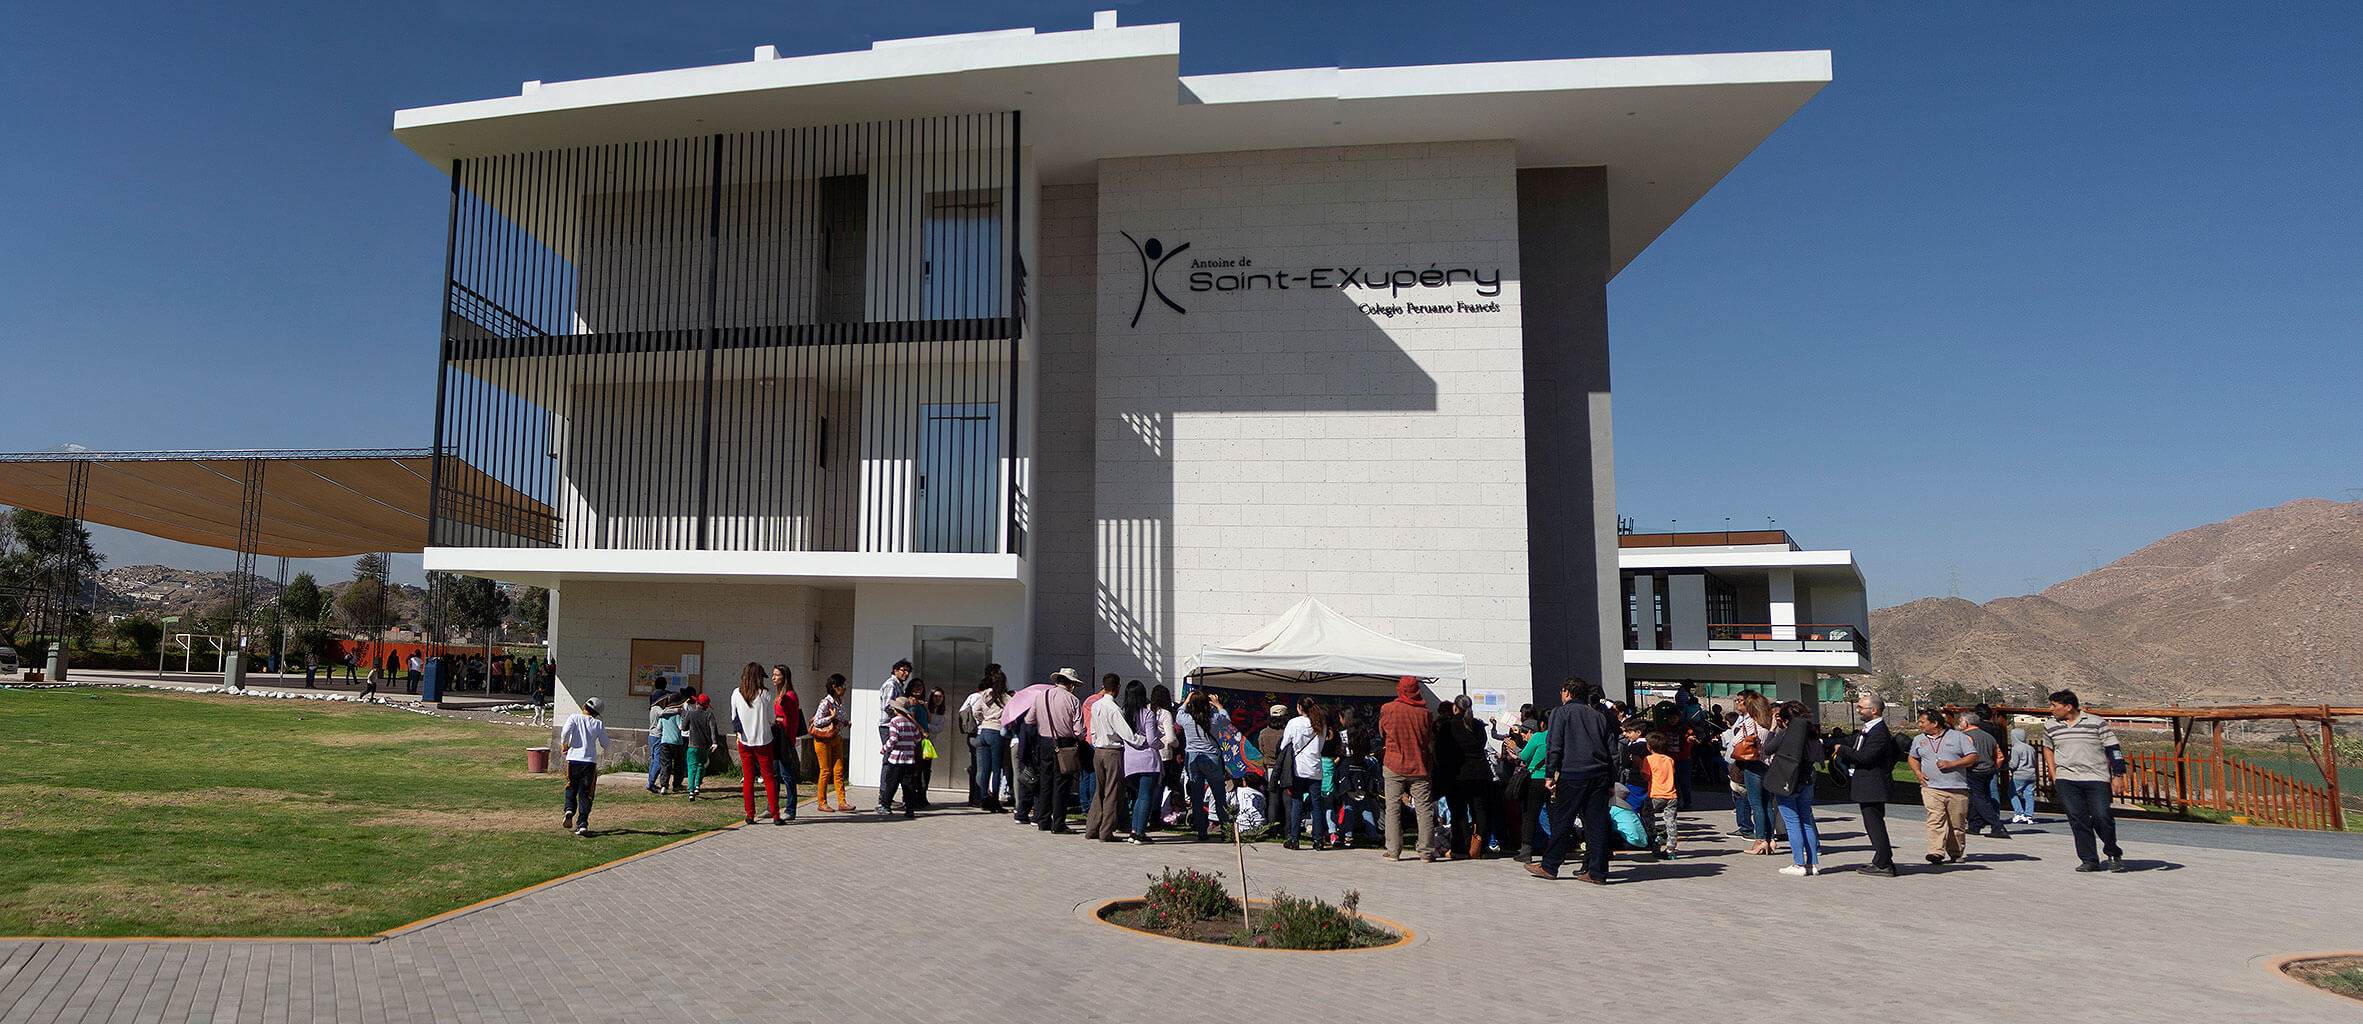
<point x="675" y="660"/>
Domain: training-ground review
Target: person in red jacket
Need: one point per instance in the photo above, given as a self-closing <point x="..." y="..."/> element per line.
<point x="1408" y="735"/>
<point x="787" y="726"/>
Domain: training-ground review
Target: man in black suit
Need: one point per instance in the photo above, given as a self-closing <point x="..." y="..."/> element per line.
<point x="1869" y="759"/>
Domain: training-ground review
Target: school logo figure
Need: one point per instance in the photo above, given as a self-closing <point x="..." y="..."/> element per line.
<point x="1153" y="258"/>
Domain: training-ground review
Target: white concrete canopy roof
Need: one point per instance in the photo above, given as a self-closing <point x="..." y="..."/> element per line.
<point x="1667" y="128"/>
<point x="1834" y="568"/>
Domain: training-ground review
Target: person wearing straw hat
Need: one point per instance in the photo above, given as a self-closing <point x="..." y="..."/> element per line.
<point x="1058" y="725"/>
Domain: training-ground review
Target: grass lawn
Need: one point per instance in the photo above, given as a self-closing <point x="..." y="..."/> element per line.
<point x="134" y="813"/>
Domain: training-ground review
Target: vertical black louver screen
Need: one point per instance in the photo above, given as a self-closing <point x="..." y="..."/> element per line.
<point x="792" y="340"/>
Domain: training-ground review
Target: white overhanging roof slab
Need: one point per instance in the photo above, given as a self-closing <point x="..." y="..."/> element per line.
<point x="552" y="567"/>
<point x="1836" y="661"/>
<point x="1819" y="567"/>
<point x="1667" y="128"/>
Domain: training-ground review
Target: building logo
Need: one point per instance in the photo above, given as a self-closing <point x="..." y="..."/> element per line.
<point x="1153" y="258"/>
<point x="1381" y="292"/>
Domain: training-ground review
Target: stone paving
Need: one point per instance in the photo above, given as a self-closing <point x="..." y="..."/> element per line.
<point x="960" y="916"/>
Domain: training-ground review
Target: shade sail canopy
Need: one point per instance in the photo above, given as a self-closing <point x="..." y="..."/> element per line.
<point x="314" y="504"/>
<point x="1313" y="638"/>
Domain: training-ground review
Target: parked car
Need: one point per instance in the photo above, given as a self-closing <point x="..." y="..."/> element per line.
<point x="8" y="660"/>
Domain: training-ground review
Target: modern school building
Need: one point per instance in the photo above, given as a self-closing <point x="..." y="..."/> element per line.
<point x="1023" y="347"/>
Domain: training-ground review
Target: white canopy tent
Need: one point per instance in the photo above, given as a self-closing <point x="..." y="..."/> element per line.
<point x="1312" y="643"/>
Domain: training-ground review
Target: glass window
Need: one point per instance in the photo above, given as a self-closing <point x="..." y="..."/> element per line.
<point x="964" y="255"/>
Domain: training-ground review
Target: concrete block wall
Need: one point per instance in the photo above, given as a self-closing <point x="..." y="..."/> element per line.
<point x="597" y="621"/>
<point x="1062" y="541"/>
<point x="1361" y="445"/>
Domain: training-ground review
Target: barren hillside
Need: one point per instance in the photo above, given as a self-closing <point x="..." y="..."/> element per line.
<point x="2266" y="605"/>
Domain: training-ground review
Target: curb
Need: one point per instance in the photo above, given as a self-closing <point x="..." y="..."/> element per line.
<point x="2278" y="966"/>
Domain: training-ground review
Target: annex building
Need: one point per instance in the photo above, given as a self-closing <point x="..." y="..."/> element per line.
<point x="1026" y="348"/>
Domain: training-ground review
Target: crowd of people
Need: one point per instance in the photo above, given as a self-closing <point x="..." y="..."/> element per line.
<point x="1592" y="778"/>
<point x="534" y="677"/>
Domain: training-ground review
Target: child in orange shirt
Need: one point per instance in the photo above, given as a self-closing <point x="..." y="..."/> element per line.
<point x="1664" y="798"/>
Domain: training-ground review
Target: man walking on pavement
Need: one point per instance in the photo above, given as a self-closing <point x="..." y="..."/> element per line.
<point x="1869" y="757"/>
<point x="1941" y="757"/>
<point x="1985" y="813"/>
<point x="1581" y="756"/>
<point x="2086" y="767"/>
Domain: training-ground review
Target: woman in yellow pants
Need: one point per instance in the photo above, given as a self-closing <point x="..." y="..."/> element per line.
<point x="829" y="722"/>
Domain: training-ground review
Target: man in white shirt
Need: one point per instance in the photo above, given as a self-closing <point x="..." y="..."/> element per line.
<point x="583" y="736"/>
<point x="1110" y="734"/>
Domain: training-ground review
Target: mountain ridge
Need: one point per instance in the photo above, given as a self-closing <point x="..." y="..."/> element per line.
<point x="2266" y="605"/>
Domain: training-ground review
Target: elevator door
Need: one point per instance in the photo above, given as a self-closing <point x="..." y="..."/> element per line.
<point x="952" y="659"/>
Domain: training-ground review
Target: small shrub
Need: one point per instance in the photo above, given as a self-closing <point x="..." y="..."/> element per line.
<point x="1177" y="899"/>
<point x="1292" y="922"/>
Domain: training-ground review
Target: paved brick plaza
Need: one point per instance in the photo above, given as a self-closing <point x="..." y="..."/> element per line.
<point x="978" y="923"/>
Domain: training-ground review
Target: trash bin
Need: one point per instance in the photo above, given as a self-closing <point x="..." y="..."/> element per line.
<point x="537" y="760"/>
<point x="430" y="688"/>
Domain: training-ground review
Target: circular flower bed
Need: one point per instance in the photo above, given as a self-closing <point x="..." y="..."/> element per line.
<point x="1193" y="906"/>
<point x="2339" y="975"/>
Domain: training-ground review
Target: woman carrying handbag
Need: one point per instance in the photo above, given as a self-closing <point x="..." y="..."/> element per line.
<point x="829" y="744"/>
<point x="1796" y="755"/>
<point x="1746" y="740"/>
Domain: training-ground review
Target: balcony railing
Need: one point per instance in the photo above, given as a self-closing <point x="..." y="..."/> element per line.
<point x="799" y="339"/>
<point x="1751" y="636"/>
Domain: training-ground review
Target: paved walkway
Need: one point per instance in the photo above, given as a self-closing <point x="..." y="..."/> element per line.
<point x="959" y="916"/>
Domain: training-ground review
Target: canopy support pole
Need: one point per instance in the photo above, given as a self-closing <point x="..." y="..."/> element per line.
<point x="64" y="597"/>
<point x="279" y="623"/>
<point x="242" y="578"/>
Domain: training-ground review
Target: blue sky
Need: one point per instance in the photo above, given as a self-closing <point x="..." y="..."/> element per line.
<point x="2026" y="286"/>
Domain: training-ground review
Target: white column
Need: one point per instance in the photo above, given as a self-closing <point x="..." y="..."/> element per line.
<point x="1783" y="583"/>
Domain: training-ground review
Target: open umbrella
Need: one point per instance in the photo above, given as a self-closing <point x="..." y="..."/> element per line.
<point x="1023" y="701"/>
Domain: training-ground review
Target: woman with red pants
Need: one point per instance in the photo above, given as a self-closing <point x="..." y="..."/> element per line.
<point x="751" y="709"/>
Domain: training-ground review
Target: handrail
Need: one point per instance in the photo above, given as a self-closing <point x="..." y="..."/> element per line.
<point x="2229" y="785"/>
<point x="1801" y="627"/>
<point x="1760" y="634"/>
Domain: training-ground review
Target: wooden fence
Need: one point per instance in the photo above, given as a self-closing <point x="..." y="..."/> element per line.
<point x="2229" y="784"/>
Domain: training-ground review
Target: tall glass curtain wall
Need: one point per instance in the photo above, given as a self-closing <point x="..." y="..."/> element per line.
<point x="791" y="340"/>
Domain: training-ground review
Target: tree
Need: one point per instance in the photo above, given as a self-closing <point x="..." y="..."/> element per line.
<point x="469" y="603"/>
<point x="38" y="552"/>
<point x="142" y="633"/>
<point x="302" y="600"/>
<point x="361" y="606"/>
<point x="314" y="641"/>
<point x="1957" y="695"/>
<point x="533" y="611"/>
<point x="371" y="566"/>
<point x="1890" y="687"/>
